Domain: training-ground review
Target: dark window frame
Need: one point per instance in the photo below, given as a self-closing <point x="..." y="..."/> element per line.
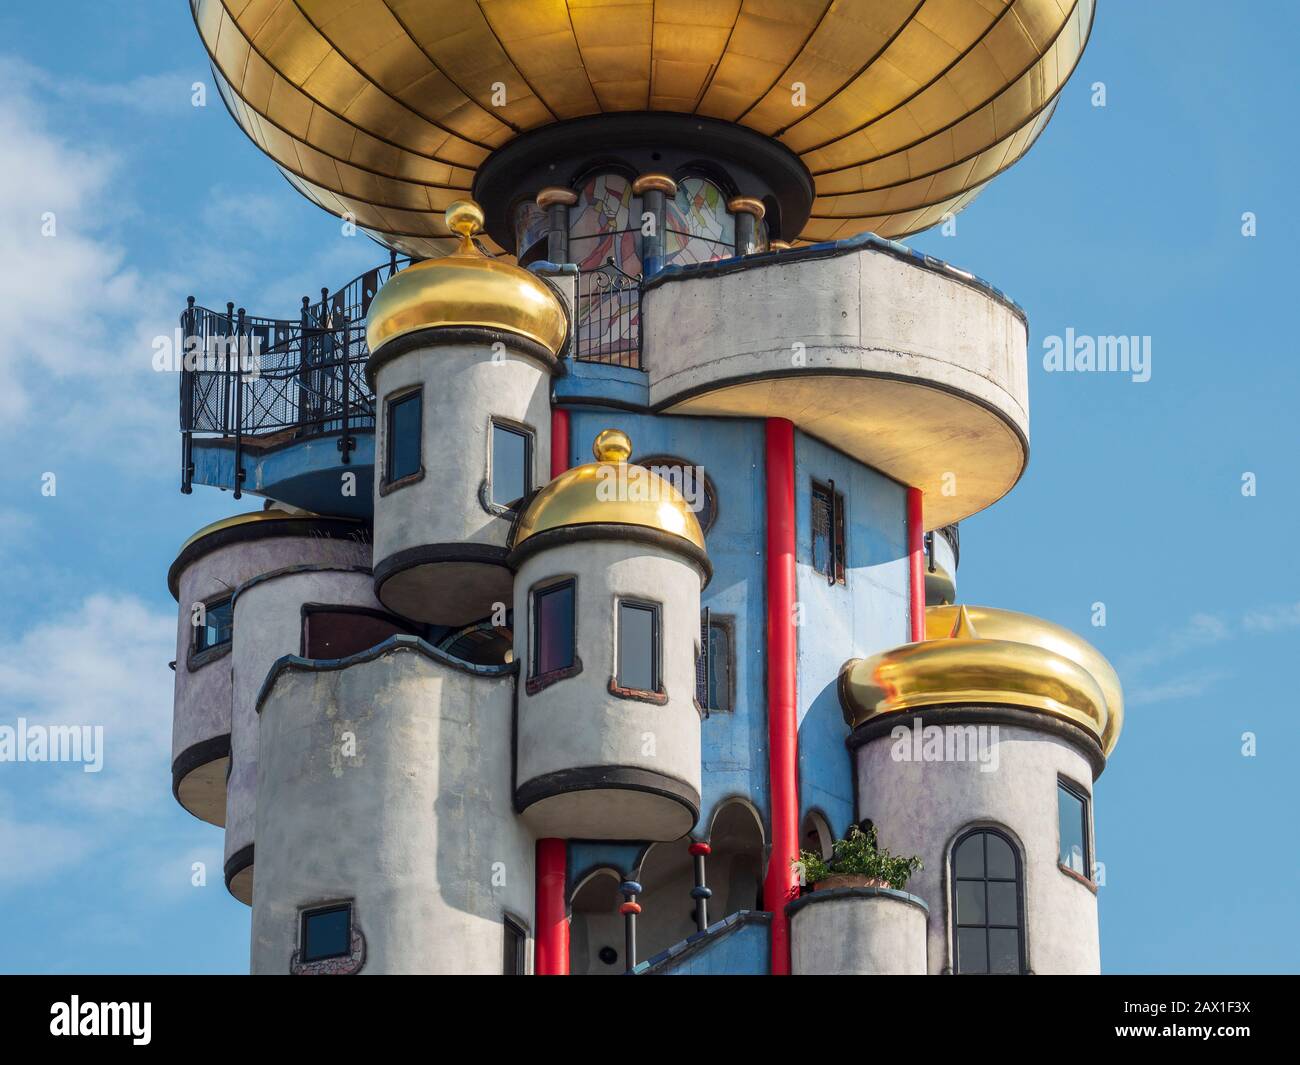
<point x="198" y="656"/>
<point x="307" y="609"/>
<point x="655" y="693"/>
<point x="529" y="434"/>
<point x="536" y="680"/>
<point x="1085" y="799"/>
<point x="1019" y="881"/>
<point x="511" y="926"/>
<point x="837" y="540"/>
<point x="318" y="911"/>
<point x="395" y="399"/>
<point x="711" y="507"/>
<point x="725" y="623"/>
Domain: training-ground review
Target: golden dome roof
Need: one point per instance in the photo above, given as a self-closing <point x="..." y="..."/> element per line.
<point x="982" y="656"/>
<point x="901" y="110"/>
<point x="467" y="289"/>
<point x="610" y="491"/>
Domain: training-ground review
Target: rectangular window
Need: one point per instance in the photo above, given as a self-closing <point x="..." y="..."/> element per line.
<point x="337" y="633"/>
<point x="404" y="430"/>
<point x="828" y="531"/>
<point x="327" y="933"/>
<point x="1072" y="811"/>
<point x="713" y="667"/>
<point x="516" y="938"/>
<point x="553" y="625"/>
<point x="638" y="646"/>
<point x="217" y="626"/>
<point x="512" y="464"/>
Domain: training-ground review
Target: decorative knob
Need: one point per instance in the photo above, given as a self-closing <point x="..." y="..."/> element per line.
<point x="612" y="445"/>
<point x="464" y="217"/>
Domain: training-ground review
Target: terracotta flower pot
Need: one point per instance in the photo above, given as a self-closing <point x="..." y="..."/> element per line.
<point x="848" y="880"/>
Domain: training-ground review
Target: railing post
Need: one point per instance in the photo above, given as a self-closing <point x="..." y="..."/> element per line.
<point x="701" y="893"/>
<point x="187" y="403"/>
<point x="345" y="441"/>
<point x="630" y="889"/>
<point x="239" y="404"/>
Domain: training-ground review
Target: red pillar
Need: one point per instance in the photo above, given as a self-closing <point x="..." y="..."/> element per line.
<point x="559" y="441"/>
<point x="551" y="957"/>
<point x="916" y="563"/>
<point x="781" y="883"/>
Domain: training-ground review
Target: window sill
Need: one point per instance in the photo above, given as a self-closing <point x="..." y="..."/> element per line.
<point x="537" y="683"/>
<point x="657" y="698"/>
<point x="199" y="659"/>
<point x="386" y="487"/>
<point x="1073" y="875"/>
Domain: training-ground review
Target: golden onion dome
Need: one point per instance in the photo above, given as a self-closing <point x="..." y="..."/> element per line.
<point x="611" y="491"/>
<point x="987" y="657"/>
<point x="468" y="290"/>
<point x="901" y="111"/>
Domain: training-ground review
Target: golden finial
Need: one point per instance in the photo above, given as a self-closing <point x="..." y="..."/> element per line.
<point x="466" y="218"/>
<point x="612" y="445"/>
<point x="962" y="627"/>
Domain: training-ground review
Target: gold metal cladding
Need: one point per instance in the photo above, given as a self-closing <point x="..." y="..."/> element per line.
<point x="553" y="194"/>
<point x="746" y="205"/>
<point x="467" y="289"/>
<point x="243" y="519"/>
<point x="610" y="491"/>
<point x="655" y="183"/>
<point x="914" y="433"/>
<point x="778" y="245"/>
<point x="982" y="656"/>
<point x="940" y="588"/>
<point x="386" y="108"/>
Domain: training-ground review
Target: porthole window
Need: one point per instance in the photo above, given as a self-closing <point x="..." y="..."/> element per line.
<point x="987" y="905"/>
<point x="690" y="480"/>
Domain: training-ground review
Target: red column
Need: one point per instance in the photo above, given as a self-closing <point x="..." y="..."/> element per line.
<point x="559" y="441"/>
<point x="781" y="883"/>
<point x="916" y="563"/>
<point x="551" y="957"/>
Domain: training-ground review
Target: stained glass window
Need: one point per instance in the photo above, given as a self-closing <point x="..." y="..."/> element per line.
<point x="698" y="228"/>
<point x="605" y="223"/>
<point x="532" y="225"/>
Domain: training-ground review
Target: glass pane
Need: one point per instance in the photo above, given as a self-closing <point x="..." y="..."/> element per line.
<point x="326" y="934"/>
<point x="554" y="629"/>
<point x="404" y="437"/>
<point x="216" y="628"/>
<point x="1002" y="902"/>
<point x="1071" y="814"/>
<point x="636" y="647"/>
<point x="509" y="466"/>
<point x="338" y="634"/>
<point x="1002" y="861"/>
<point x="972" y="951"/>
<point x="970" y="902"/>
<point x="970" y="856"/>
<point x="821" y="530"/>
<point x="719" y="669"/>
<point x="700" y="210"/>
<point x="1004" y="951"/>
<point x="513" y="961"/>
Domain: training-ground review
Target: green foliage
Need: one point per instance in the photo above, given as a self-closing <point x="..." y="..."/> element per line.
<point x="858" y="855"/>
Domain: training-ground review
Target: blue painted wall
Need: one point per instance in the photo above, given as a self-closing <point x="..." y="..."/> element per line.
<point x="868" y="613"/>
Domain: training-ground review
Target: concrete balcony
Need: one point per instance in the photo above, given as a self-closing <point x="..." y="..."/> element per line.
<point x="899" y="360"/>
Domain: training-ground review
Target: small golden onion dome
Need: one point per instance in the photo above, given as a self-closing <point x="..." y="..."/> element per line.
<point x="982" y="656"/>
<point x="610" y="491"/>
<point x="940" y="588"/>
<point x="469" y="290"/>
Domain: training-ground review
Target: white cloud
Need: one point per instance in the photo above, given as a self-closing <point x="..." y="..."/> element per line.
<point x="30" y="852"/>
<point x="1273" y="619"/>
<point x="1183" y="688"/>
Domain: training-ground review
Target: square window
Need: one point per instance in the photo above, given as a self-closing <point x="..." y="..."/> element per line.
<point x="638" y="646"/>
<point x="553" y="628"/>
<point x="327" y="933"/>
<point x="404" y="432"/>
<point x="512" y="461"/>
<point x="217" y="627"/>
<point x="1072" y="815"/>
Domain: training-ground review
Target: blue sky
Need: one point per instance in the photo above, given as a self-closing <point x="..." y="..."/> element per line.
<point x="1121" y="220"/>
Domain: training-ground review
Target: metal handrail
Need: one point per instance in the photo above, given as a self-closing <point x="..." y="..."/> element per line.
<point x="607" y="321"/>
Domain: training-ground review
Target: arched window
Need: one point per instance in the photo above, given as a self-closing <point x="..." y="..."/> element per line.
<point x="987" y="904"/>
<point x="698" y="228"/>
<point x="606" y="221"/>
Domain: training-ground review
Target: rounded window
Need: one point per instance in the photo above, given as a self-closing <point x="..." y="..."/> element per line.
<point x="698" y="228"/>
<point x="690" y="480"/>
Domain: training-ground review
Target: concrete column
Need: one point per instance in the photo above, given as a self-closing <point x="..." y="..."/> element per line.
<point x="748" y="213"/>
<point x="654" y="190"/>
<point x="556" y="201"/>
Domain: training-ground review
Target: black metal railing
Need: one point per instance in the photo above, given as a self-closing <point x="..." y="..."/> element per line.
<point x="246" y="376"/>
<point x="607" y="322"/>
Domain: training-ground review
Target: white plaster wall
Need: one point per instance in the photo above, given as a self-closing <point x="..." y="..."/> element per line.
<point x="921" y="807"/>
<point x="858" y="936"/>
<point x="576" y="722"/>
<point x="464" y="387"/>
<point x="268" y="625"/>
<point x="864" y="310"/>
<point x="417" y="827"/>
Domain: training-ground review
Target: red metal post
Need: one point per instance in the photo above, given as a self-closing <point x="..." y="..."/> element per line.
<point x="781" y="883"/>
<point x="916" y="563"/>
<point x="551" y="957"/>
<point x="559" y="441"/>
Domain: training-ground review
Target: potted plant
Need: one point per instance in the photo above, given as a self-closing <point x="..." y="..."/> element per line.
<point x="856" y="861"/>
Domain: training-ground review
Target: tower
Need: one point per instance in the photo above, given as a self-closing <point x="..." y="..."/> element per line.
<point x="465" y="701"/>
